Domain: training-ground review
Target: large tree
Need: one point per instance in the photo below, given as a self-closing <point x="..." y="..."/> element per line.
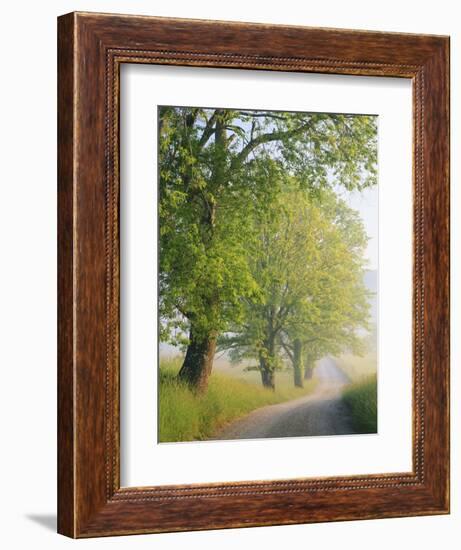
<point x="340" y="304"/>
<point x="214" y="169"/>
<point x="309" y="270"/>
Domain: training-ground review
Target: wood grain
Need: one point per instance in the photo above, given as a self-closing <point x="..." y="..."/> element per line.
<point x="91" y="49"/>
<point x="66" y="424"/>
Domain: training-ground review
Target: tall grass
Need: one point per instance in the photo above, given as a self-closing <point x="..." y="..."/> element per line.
<point x="362" y="398"/>
<point x="186" y="416"/>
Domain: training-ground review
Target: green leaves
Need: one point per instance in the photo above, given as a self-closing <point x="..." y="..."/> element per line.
<point x="251" y="235"/>
<point x="308" y="264"/>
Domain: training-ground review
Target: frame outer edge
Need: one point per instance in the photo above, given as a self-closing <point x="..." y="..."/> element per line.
<point x="85" y="507"/>
<point x="66" y="524"/>
<point x="437" y="226"/>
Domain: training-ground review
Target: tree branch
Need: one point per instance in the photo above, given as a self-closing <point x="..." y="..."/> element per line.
<point x="266" y="138"/>
<point x="262" y="115"/>
<point x="287" y="350"/>
<point x="208" y="131"/>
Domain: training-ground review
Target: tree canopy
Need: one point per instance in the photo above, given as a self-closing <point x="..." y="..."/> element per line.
<point x="221" y="174"/>
<point x="308" y="265"/>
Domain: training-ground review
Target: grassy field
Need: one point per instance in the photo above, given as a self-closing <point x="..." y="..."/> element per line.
<point x="184" y="416"/>
<point x="362" y="399"/>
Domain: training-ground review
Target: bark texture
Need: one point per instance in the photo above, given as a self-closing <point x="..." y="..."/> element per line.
<point x="298" y="363"/>
<point x="198" y="362"/>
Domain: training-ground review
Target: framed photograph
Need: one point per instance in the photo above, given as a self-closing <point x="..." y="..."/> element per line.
<point x="253" y="259"/>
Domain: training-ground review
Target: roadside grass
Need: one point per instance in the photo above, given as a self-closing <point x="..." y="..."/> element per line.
<point x="185" y="416"/>
<point x="361" y="397"/>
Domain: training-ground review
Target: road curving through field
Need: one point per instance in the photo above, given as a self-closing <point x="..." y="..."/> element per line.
<point x="320" y="413"/>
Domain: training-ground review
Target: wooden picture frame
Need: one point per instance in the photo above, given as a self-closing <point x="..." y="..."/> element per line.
<point x="91" y="50"/>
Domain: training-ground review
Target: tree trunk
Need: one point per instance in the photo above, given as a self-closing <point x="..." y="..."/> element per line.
<point x="198" y="362"/>
<point x="267" y="375"/>
<point x="267" y="361"/>
<point x="308" y="369"/>
<point x="298" y="363"/>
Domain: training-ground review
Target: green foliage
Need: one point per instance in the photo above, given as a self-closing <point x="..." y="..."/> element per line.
<point x="186" y="416"/>
<point x="361" y="397"/>
<point x="338" y="306"/>
<point x="308" y="264"/>
<point x="220" y="174"/>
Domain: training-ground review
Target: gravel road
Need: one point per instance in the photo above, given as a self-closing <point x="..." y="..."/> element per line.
<point x="320" y="413"/>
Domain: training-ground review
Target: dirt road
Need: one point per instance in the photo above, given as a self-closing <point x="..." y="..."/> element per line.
<point x="320" y="413"/>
